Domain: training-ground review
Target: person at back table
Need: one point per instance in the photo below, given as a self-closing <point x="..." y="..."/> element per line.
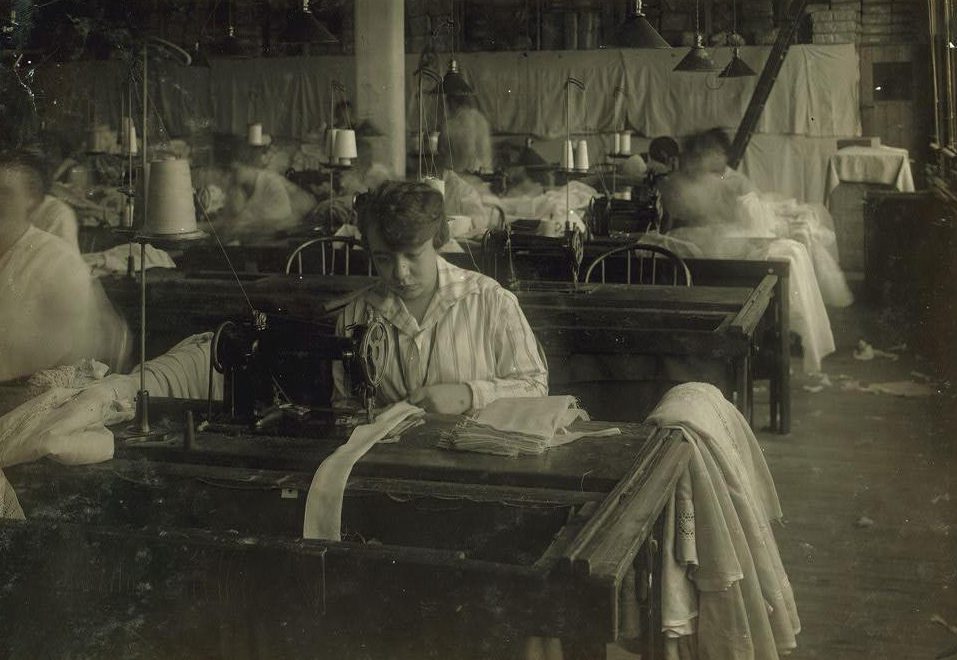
<point x="51" y="312"/>
<point x="461" y="340"/>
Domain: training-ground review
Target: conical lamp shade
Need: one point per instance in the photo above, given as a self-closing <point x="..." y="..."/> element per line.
<point x="229" y="46"/>
<point x="637" y="32"/>
<point x="198" y="57"/>
<point x="698" y="60"/>
<point x="737" y="68"/>
<point x="454" y="83"/>
<point x="304" y="28"/>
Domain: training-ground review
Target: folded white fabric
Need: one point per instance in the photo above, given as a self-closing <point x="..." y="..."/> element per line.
<point x="323" y="519"/>
<point x="724" y="588"/>
<point x="114" y="260"/>
<point x="520" y="425"/>
<point x="67" y="425"/>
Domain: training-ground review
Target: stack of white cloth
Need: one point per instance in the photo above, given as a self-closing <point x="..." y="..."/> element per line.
<point x="725" y="594"/>
<point x="114" y="260"/>
<point x="520" y="426"/>
<point x="67" y="422"/>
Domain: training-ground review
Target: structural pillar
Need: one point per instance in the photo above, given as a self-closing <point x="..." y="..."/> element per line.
<point x="380" y="76"/>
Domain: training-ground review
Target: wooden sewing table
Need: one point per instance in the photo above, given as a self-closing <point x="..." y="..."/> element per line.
<point x="175" y="551"/>
<point x="713" y="325"/>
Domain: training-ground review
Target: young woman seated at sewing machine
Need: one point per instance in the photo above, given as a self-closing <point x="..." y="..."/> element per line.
<point x="460" y="340"/>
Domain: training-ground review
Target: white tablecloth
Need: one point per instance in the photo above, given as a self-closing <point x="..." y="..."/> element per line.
<point x="887" y="165"/>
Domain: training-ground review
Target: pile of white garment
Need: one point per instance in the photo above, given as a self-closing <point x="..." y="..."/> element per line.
<point x="725" y="593"/>
<point x="67" y="422"/>
<point x="808" y="316"/>
<point x="520" y="426"/>
<point x="115" y="260"/>
<point x="809" y="224"/>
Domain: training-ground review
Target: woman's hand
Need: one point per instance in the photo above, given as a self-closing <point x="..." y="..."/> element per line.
<point x="443" y="399"/>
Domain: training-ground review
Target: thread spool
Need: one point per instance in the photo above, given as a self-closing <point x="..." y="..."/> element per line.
<point x="568" y="156"/>
<point x="625" y="142"/>
<point x="127" y="218"/>
<point x="128" y="135"/>
<point x="581" y="156"/>
<point x="170" y="198"/>
<point x="433" y="182"/>
<point x="434" y="143"/>
<point x="331" y="144"/>
<point x="345" y="149"/>
<point x="617" y="149"/>
<point x="254" y="135"/>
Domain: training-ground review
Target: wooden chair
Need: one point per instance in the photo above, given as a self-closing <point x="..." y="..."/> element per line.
<point x="652" y="272"/>
<point x="333" y="250"/>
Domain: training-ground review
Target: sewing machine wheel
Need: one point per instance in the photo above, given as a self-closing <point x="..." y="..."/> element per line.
<point x="374" y="351"/>
<point x="577" y="246"/>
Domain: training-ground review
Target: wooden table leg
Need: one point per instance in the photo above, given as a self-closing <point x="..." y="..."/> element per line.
<point x="784" y="353"/>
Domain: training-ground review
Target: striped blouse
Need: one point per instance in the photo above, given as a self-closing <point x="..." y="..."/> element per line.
<point x="473" y="332"/>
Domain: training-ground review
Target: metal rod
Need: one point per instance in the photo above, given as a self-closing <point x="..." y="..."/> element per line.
<point x="144" y="401"/>
<point x="143" y="139"/>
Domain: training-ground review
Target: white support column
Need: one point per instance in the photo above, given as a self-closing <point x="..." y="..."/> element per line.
<point x="380" y="76"/>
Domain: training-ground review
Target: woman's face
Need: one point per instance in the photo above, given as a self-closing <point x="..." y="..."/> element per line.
<point x="409" y="272"/>
<point x="16" y="200"/>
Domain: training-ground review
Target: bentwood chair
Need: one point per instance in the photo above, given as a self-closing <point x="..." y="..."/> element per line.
<point x="640" y="263"/>
<point x="337" y="255"/>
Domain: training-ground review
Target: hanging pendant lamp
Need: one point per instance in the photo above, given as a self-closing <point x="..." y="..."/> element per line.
<point x="698" y="59"/>
<point x="304" y="28"/>
<point x="198" y="57"/>
<point x="637" y="32"/>
<point x="454" y="83"/>
<point x="736" y="68"/>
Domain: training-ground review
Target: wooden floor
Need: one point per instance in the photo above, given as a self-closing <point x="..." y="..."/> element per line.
<point x="868" y="483"/>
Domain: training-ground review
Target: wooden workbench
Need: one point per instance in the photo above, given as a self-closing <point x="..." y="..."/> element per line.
<point x="713" y="325"/>
<point x="169" y="551"/>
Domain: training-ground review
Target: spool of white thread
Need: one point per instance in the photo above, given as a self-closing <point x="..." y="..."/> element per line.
<point x="434" y="143"/>
<point x="346" y="146"/>
<point x="625" y="142"/>
<point x="171" y="209"/>
<point x="581" y="156"/>
<point x="254" y="135"/>
<point x="331" y="144"/>
<point x="617" y="149"/>
<point x="568" y="157"/>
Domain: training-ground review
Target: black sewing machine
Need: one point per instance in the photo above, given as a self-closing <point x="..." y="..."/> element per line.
<point x="516" y="240"/>
<point x="278" y="370"/>
<point x="608" y="216"/>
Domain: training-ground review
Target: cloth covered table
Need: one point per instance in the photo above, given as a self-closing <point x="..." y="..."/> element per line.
<point x="887" y="165"/>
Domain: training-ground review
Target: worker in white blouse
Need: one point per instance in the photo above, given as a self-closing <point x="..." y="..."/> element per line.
<point x="460" y="340"/>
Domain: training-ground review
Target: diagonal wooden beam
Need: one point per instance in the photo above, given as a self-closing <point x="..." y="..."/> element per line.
<point x="762" y="90"/>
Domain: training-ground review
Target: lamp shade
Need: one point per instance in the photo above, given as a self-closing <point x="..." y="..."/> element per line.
<point x="229" y="46"/>
<point x="346" y="144"/>
<point x="736" y="68"/>
<point x="171" y="213"/>
<point x="198" y="57"/>
<point x="454" y="83"/>
<point x="637" y="32"/>
<point x="698" y="59"/>
<point x="304" y="28"/>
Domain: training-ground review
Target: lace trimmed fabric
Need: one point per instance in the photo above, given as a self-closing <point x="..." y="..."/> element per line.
<point x="725" y="593"/>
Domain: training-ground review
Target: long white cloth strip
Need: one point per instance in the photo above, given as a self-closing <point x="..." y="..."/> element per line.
<point x="323" y="519"/>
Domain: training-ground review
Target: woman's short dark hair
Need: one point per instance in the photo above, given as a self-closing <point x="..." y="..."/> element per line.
<point x="404" y="213"/>
<point x="663" y="149"/>
<point x="32" y="166"/>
